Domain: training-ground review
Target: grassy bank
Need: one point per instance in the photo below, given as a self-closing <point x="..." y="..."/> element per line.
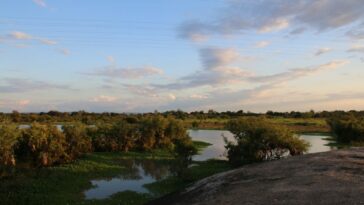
<point x="298" y="125"/>
<point x="65" y="184"/>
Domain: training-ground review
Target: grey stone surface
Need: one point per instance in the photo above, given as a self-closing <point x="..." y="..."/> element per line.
<point x="335" y="177"/>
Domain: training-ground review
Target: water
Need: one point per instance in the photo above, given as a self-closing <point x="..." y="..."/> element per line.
<point x="141" y="172"/>
<point x="25" y="126"/>
<point x="137" y="173"/>
<point x="319" y="143"/>
<point x="214" y="137"/>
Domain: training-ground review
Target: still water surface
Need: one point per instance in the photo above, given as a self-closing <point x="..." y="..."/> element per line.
<point x="136" y="174"/>
<point x="141" y="172"/>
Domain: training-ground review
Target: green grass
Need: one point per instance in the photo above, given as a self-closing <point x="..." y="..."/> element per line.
<point x="64" y="184"/>
<point x="200" y="145"/>
<point x="299" y="121"/>
<point x="298" y="125"/>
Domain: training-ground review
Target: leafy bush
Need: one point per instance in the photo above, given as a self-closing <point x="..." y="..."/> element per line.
<point x="258" y="139"/>
<point x="44" y="145"/>
<point x="78" y="142"/>
<point x="102" y="138"/>
<point x="9" y="134"/>
<point x="152" y="132"/>
<point x="347" y="128"/>
<point x="125" y="135"/>
<point x="183" y="151"/>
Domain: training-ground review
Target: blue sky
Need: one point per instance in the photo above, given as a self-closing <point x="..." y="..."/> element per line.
<point x="137" y="56"/>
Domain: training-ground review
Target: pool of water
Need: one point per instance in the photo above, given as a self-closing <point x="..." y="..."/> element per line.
<point x="215" y="137"/>
<point x="140" y="172"/>
<point x="319" y="143"/>
<point x="137" y="173"/>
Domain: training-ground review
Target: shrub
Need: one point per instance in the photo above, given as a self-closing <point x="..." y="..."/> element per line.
<point x="102" y="138"/>
<point x="183" y="151"/>
<point x="9" y="134"/>
<point x="348" y="128"/>
<point x="152" y="131"/>
<point x="44" y="145"/>
<point x="78" y="141"/>
<point x="125" y="135"/>
<point x="258" y="139"/>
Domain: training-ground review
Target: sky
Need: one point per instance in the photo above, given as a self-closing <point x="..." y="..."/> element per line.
<point x="142" y="56"/>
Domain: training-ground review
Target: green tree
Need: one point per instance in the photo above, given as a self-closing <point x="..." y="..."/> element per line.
<point x="257" y="139"/>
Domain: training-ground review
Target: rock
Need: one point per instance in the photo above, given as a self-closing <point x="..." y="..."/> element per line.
<point x="335" y="177"/>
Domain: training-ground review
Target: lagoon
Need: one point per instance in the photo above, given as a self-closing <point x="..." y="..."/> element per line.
<point x="142" y="172"/>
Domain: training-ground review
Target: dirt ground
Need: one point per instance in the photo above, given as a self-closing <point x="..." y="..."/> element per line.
<point x="335" y="177"/>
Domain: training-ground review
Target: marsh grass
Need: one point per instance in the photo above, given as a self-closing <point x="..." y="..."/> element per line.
<point x="65" y="184"/>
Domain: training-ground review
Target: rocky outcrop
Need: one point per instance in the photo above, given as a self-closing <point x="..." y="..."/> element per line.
<point x="335" y="177"/>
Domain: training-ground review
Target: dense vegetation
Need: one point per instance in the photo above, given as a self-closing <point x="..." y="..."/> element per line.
<point x="65" y="184"/>
<point x="196" y="116"/>
<point x="95" y="142"/>
<point x="257" y="140"/>
<point x="348" y="128"/>
<point x="43" y="144"/>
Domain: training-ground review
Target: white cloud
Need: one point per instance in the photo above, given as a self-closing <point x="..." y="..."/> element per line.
<point x="198" y="37"/>
<point x="267" y="16"/>
<point x="298" y="72"/>
<point x="18" y="35"/>
<point x="40" y="3"/>
<point x="23" y="103"/>
<point x="215" y="57"/>
<point x="262" y="44"/>
<point x="47" y="41"/>
<point x="104" y="98"/>
<point x="172" y="96"/>
<point x="130" y="73"/>
<point x="274" y="25"/>
<point x="197" y="96"/>
<point x="322" y="51"/>
<point x="356" y="48"/>
<point x="18" y="85"/>
<point x="217" y="70"/>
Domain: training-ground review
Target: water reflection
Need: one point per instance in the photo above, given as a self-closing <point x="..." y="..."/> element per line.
<point x="214" y="137"/>
<point x="319" y="143"/>
<point x="137" y="173"/>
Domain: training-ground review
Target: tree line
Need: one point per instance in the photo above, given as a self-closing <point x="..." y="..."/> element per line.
<point x="109" y="117"/>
